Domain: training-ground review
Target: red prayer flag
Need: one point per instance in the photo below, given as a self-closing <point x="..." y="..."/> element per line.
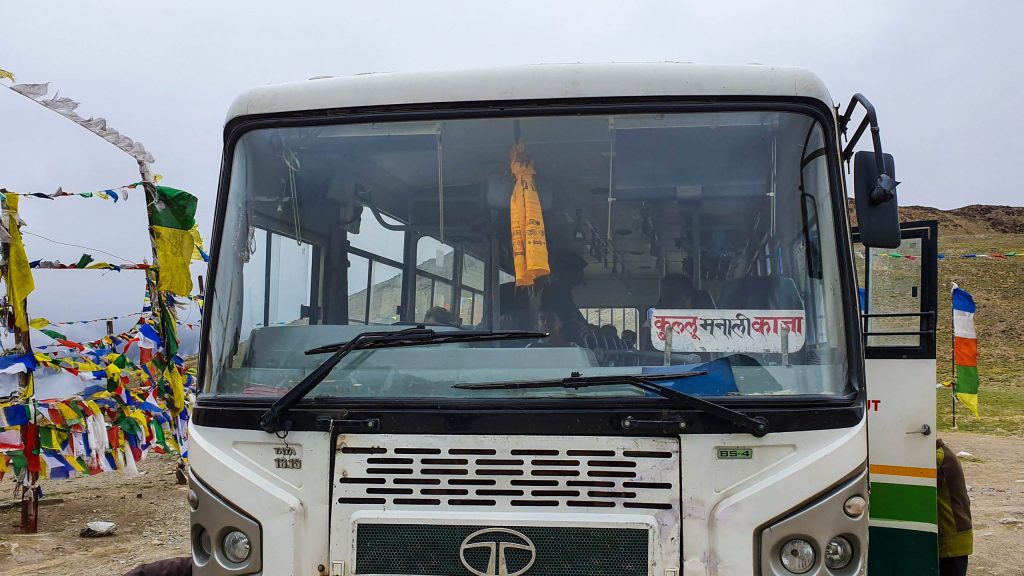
<point x="32" y="447"/>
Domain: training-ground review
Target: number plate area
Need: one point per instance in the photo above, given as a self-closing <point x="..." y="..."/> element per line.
<point x="490" y="505"/>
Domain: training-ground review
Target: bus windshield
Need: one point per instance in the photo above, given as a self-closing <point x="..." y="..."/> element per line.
<point x="640" y="243"/>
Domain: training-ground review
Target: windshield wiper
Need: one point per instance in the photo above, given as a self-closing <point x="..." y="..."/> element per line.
<point x="271" y="420"/>
<point x="757" y="426"/>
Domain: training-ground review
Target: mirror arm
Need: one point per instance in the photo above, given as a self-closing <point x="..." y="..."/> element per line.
<point x="885" y="189"/>
<point x="870" y="118"/>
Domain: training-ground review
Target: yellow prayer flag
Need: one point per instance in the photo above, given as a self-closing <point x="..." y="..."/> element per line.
<point x="529" y="241"/>
<point x="75" y="463"/>
<point x="197" y="244"/>
<point x="171" y="443"/>
<point x="970" y="401"/>
<point x="139" y="417"/>
<point x="177" y="385"/>
<point x="66" y="412"/>
<point x="174" y="253"/>
<point x="30" y="388"/>
<point x="39" y="323"/>
<point x="8" y="75"/>
<point x="20" y="283"/>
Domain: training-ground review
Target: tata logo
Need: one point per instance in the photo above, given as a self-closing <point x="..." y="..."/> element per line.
<point x="501" y="546"/>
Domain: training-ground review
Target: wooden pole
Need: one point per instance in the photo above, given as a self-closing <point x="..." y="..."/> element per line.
<point x="30" y="489"/>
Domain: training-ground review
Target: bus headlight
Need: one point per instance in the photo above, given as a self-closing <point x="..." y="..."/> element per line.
<point x="821" y="535"/>
<point x="236" y="546"/>
<point x="838" y="553"/>
<point x="225" y="540"/>
<point x="797" y="555"/>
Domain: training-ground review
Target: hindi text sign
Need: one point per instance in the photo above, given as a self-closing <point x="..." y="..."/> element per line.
<point x="728" y="330"/>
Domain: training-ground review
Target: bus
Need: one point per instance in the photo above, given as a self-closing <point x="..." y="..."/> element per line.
<point x="562" y="320"/>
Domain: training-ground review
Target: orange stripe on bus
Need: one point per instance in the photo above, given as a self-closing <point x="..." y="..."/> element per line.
<point x="911" y="471"/>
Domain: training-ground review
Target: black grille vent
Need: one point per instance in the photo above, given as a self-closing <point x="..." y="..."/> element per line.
<point x="434" y="550"/>
<point x="625" y="479"/>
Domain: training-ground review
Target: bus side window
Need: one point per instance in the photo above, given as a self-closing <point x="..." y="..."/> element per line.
<point x="471" y="292"/>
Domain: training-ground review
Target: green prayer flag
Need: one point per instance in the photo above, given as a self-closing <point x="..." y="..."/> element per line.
<point x="18" y="461"/>
<point x="158" y="435"/>
<point x="169" y="331"/>
<point x="121" y="361"/>
<point x="174" y="209"/>
<point x="54" y="334"/>
<point x="84" y="261"/>
<point x="129" y="425"/>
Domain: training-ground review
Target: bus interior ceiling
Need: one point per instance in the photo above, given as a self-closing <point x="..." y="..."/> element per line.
<point x="703" y="198"/>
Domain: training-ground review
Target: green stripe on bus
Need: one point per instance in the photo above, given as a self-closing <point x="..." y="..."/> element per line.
<point x="905" y="502"/>
<point x="898" y="552"/>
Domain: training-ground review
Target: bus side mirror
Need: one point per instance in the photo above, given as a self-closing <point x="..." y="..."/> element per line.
<point x="874" y="190"/>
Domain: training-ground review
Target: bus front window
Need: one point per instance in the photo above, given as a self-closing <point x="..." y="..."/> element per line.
<point x="646" y="243"/>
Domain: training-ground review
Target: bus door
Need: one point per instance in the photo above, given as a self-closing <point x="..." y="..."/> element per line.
<point x="898" y="312"/>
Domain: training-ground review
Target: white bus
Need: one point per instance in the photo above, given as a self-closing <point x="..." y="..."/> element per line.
<point x="560" y="320"/>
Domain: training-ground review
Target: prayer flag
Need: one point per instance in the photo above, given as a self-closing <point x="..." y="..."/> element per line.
<point x="965" y="349"/>
<point x="171" y="220"/>
<point x="39" y="323"/>
<point x="19" y="273"/>
<point x="11" y="440"/>
<point x="53" y="334"/>
<point x="16" y="364"/>
<point x="84" y="261"/>
<point x="148" y="338"/>
<point x="199" y="252"/>
<point x="14" y="415"/>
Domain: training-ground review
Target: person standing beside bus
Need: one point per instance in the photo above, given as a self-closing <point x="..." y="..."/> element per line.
<point x="956" y="538"/>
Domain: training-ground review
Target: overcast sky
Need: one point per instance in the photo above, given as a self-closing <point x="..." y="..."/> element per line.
<point x="944" y="76"/>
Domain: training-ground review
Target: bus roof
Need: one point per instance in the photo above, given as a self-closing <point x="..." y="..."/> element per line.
<point x="542" y="81"/>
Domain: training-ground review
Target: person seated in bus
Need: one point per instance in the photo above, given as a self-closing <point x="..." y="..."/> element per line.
<point x="438" y="316"/>
<point x="611" y="336"/>
<point x="629" y="339"/>
<point x="566" y="274"/>
<point x="550" y="322"/>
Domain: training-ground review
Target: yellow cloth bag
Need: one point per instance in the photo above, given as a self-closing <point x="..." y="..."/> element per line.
<point x="529" y="242"/>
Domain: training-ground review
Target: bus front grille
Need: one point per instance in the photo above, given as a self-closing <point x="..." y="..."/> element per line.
<point x="541" y="550"/>
<point x="578" y="474"/>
